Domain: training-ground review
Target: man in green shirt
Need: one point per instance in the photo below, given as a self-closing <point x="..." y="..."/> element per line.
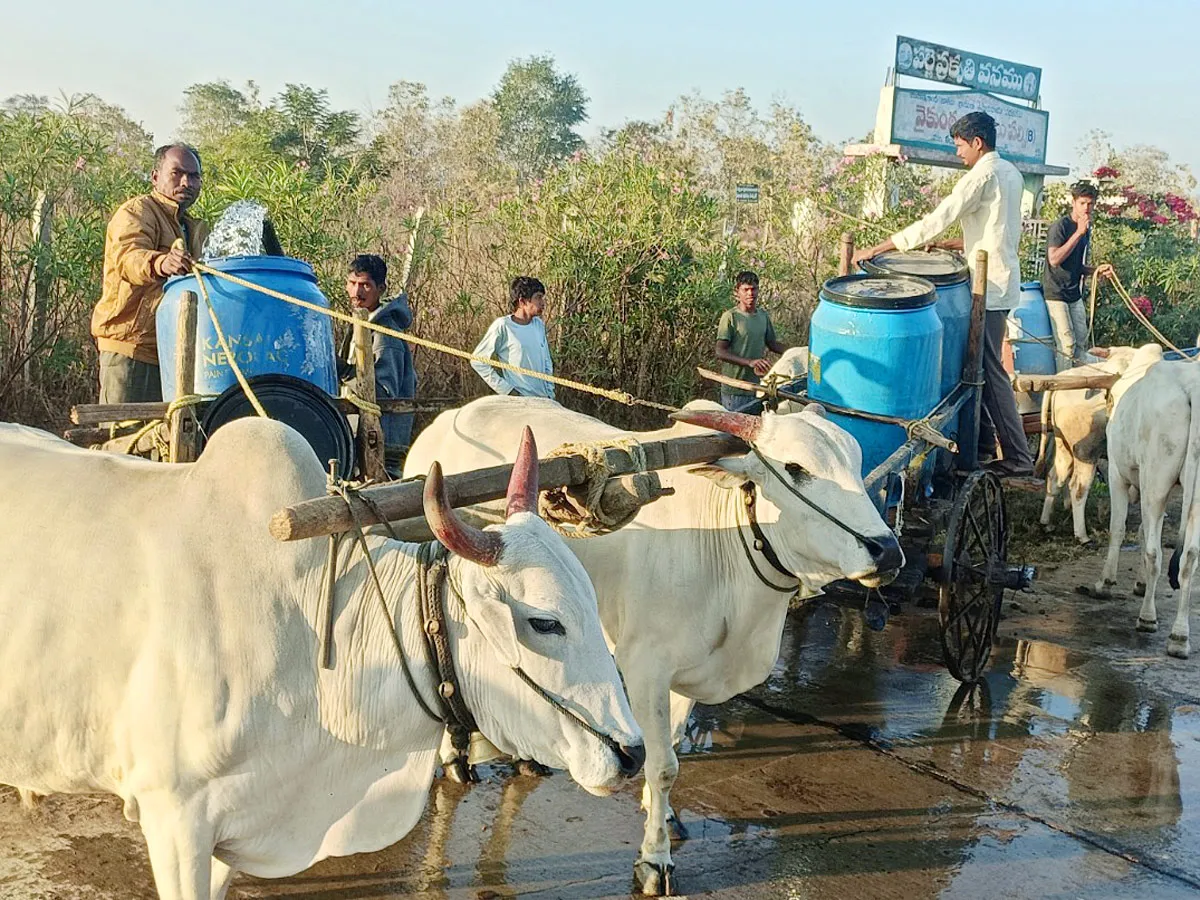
<point x="743" y="338"/>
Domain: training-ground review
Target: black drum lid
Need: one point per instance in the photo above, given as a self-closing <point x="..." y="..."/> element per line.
<point x="295" y="402"/>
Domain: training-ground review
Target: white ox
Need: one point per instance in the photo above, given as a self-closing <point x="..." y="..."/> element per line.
<point x="680" y="600"/>
<point x="1077" y="419"/>
<point x="160" y="645"/>
<point x="1154" y="444"/>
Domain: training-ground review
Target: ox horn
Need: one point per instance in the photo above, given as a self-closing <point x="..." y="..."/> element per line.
<point x="523" y="483"/>
<point x="475" y="544"/>
<point x="738" y="424"/>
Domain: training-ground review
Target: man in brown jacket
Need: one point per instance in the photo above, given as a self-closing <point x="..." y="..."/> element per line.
<point x="140" y="254"/>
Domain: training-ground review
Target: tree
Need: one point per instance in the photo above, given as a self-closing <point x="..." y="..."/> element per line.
<point x="538" y="109"/>
<point x="213" y="111"/>
<point x="306" y="130"/>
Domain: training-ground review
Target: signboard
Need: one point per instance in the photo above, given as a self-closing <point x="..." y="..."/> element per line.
<point x="746" y="193"/>
<point x="923" y="119"/>
<point x="921" y="59"/>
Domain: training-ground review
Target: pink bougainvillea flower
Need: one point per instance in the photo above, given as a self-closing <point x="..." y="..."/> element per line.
<point x="1143" y="304"/>
<point x="1106" y="172"/>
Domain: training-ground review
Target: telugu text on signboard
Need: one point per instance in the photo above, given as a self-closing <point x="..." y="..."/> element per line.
<point x="934" y="62"/>
<point x="923" y="119"/>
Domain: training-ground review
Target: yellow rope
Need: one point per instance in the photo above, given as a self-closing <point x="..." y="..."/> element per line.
<point x="161" y="444"/>
<point x="197" y="268"/>
<point x="362" y="404"/>
<point x="617" y="396"/>
<point x="574" y="520"/>
<point x="1141" y="317"/>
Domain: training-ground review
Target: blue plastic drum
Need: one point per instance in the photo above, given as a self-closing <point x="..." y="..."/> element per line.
<point x="875" y="345"/>
<point x="266" y="335"/>
<point x="1031" y="338"/>
<point x="947" y="271"/>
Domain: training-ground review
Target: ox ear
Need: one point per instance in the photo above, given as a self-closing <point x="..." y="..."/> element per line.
<point x="729" y="472"/>
<point x="494" y="619"/>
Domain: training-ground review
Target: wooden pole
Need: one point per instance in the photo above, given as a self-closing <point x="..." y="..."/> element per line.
<point x="968" y="442"/>
<point x="402" y="500"/>
<point x="183" y="424"/>
<point x="845" y="253"/>
<point x="369" y="439"/>
<point x="1064" y="382"/>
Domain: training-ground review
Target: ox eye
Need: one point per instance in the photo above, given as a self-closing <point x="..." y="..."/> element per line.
<point x="547" y="626"/>
<point x="796" y="471"/>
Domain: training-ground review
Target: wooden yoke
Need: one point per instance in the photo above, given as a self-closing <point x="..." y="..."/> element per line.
<point x="369" y="439"/>
<point x="183" y="424"/>
<point x="401" y="500"/>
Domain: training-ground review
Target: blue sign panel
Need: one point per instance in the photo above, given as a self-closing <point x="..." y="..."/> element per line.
<point x="935" y="62"/>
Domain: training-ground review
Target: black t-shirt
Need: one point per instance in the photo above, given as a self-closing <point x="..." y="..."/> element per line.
<point x="1062" y="282"/>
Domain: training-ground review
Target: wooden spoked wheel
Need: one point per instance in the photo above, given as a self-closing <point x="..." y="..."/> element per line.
<point x="974" y="573"/>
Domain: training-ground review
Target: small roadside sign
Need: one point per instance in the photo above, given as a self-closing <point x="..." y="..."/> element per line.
<point x="746" y="193"/>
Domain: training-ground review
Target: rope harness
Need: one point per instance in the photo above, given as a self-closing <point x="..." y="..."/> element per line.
<point x="762" y="545"/>
<point x="574" y="519"/>
<point x="433" y="576"/>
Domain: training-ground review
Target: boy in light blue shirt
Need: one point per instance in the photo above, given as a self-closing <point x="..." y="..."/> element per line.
<point x="518" y="339"/>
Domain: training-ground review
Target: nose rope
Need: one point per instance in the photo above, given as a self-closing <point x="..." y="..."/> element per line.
<point x="873" y="546"/>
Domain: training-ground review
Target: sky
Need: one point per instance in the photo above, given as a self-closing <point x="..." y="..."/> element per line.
<point x="1128" y="68"/>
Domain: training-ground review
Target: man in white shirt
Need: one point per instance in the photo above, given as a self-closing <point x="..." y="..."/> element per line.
<point x="520" y="340"/>
<point x="987" y="202"/>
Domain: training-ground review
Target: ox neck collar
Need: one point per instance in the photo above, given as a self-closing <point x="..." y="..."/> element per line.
<point x="432" y="568"/>
<point x="762" y="545"/>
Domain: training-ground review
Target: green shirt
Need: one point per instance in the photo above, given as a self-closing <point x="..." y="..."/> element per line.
<point x="748" y="336"/>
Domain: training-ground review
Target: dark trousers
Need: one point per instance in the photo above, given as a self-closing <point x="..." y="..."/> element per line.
<point x="127" y="380"/>
<point x="999" y="419"/>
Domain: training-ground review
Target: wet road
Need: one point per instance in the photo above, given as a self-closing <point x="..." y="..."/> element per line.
<point x="859" y="770"/>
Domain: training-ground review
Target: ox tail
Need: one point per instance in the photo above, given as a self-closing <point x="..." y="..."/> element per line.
<point x="1189" y="525"/>
<point x="1042" y="465"/>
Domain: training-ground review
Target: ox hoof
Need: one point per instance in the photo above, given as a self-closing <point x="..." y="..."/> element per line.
<point x="531" y="767"/>
<point x="1139" y="589"/>
<point x="1145" y="625"/>
<point x="1178" y="647"/>
<point x="676" y="829"/>
<point x="461" y="774"/>
<point x="655" y="879"/>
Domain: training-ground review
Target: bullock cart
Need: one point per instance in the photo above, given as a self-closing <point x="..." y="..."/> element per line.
<point x="175" y="432"/>
<point x="949" y="514"/>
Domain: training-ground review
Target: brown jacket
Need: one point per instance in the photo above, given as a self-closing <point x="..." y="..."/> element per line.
<point x="139" y="234"/>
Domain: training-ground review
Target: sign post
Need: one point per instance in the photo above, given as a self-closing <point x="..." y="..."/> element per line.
<point x="914" y="124"/>
<point x="746" y="193"/>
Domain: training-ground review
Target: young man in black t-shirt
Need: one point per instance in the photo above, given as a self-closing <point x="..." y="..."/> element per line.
<point x="1066" y="247"/>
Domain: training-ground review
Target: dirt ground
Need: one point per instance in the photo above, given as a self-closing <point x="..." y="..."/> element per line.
<point x="859" y="769"/>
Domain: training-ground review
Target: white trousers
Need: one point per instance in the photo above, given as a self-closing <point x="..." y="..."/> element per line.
<point x="1069" y="321"/>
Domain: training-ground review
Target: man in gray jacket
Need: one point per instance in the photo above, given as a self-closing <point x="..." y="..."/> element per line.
<point x="395" y="377"/>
